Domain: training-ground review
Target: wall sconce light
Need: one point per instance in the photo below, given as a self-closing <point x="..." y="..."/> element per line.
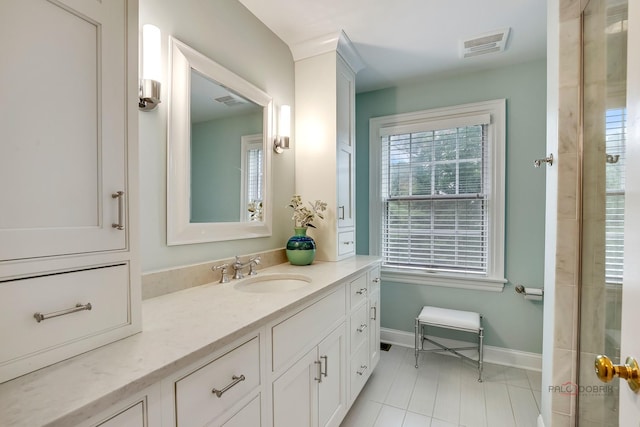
<point x="281" y="141"/>
<point x="149" y="93"/>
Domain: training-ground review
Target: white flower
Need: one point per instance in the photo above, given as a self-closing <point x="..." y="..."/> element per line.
<point x="255" y="210"/>
<point x="302" y="215"/>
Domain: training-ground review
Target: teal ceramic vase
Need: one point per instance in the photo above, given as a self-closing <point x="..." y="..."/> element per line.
<point x="301" y="249"/>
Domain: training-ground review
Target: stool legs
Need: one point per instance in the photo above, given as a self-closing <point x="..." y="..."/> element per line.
<point x="480" y="352"/>
<point x="417" y="339"/>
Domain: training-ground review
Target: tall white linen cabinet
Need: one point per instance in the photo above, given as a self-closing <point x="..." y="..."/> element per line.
<point x="69" y="268"/>
<point x="325" y="70"/>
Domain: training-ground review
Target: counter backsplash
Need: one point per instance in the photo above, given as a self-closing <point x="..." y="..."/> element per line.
<point x="175" y="279"/>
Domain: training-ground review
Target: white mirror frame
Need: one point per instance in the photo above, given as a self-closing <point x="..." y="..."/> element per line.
<point x="180" y="231"/>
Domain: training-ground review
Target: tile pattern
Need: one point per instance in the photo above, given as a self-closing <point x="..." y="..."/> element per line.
<point x="444" y="392"/>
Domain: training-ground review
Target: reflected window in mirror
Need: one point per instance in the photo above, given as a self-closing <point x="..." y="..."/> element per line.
<point x="253" y="178"/>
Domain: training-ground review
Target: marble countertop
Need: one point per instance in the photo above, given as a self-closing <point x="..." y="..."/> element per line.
<point x="177" y="330"/>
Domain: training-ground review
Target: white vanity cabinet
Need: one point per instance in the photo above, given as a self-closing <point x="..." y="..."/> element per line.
<point x="325" y="139"/>
<point x="312" y="392"/>
<point x="373" y="276"/>
<point x="69" y="273"/>
<point x="364" y="327"/>
<point x="225" y="389"/>
<point x="309" y="364"/>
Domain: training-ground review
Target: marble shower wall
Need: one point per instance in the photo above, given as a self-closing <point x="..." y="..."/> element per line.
<point x="581" y="197"/>
<point x="563" y="406"/>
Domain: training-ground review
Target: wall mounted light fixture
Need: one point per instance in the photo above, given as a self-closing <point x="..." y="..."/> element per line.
<point x="281" y="141"/>
<point x="150" y="82"/>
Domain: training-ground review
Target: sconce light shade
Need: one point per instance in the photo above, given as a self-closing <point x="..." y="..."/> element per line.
<point x="150" y="81"/>
<point x="281" y="142"/>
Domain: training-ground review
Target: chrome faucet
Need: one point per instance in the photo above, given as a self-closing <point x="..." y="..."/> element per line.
<point x="238" y="266"/>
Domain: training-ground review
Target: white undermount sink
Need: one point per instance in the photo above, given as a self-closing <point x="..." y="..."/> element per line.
<point x="275" y="282"/>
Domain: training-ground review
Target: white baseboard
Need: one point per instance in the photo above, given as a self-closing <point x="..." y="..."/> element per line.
<point x="497" y="355"/>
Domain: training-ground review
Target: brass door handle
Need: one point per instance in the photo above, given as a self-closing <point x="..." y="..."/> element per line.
<point x="606" y="370"/>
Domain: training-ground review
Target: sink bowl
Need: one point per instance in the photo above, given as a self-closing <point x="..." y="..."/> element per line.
<point x="276" y="282"/>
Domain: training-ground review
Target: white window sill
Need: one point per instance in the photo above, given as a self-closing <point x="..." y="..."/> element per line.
<point x="444" y="280"/>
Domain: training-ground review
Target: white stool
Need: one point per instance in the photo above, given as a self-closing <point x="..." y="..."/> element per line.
<point x="466" y="321"/>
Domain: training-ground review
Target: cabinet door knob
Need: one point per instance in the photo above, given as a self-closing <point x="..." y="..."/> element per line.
<point x="120" y="196"/>
<point x="236" y="379"/>
<point x="362" y="327"/>
<point x="326" y="366"/>
<point x="319" y="364"/>
<point x="79" y="307"/>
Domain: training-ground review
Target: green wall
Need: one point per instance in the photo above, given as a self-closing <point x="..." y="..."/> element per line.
<point x="510" y="321"/>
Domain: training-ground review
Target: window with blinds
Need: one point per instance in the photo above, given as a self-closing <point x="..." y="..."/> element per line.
<point x="254" y="174"/>
<point x="434" y="188"/>
<point x="252" y="178"/>
<point x="616" y="119"/>
<point x="439" y="174"/>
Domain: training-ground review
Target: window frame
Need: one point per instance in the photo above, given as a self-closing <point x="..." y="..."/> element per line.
<point x="495" y="278"/>
<point x="248" y="142"/>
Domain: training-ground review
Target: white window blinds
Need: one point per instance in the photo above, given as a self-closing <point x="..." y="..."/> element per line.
<point x="614" y="214"/>
<point x="254" y="179"/>
<point x="435" y="190"/>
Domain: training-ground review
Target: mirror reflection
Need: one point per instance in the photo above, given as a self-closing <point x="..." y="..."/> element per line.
<point x="226" y="154"/>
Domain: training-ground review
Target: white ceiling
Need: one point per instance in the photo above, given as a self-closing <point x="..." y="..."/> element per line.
<point x="401" y="40"/>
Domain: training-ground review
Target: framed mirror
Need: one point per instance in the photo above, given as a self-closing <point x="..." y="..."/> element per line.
<point x="218" y="155"/>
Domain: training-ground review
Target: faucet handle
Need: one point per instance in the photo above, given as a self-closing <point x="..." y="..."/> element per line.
<point x="224" y="278"/>
<point x="252" y="263"/>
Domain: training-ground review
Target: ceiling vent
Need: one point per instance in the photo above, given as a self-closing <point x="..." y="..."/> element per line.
<point x="495" y="41"/>
<point x="230" y="100"/>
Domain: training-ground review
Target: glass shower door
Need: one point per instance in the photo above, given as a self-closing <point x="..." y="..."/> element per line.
<point x="603" y="204"/>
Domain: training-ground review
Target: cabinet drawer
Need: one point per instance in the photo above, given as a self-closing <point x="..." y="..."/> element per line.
<point x="346" y="242"/>
<point x="358" y="290"/>
<point x="132" y="417"/>
<point x="196" y="400"/>
<point x="302" y="330"/>
<point x="359" y="327"/>
<point x="360" y="370"/>
<point x="102" y="292"/>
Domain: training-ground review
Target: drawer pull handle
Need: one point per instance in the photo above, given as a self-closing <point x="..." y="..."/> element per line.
<point x="376" y="280"/>
<point x="363" y="368"/>
<point x="319" y="363"/>
<point x="362" y="327"/>
<point x="348" y="242"/>
<point x="79" y="307"/>
<point x="341" y="212"/>
<point x="120" y="196"/>
<point x="375" y="312"/>
<point x="236" y="379"/>
<point x="326" y="365"/>
<point x="361" y="291"/>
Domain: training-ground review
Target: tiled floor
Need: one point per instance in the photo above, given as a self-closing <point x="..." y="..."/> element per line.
<point x="444" y="392"/>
